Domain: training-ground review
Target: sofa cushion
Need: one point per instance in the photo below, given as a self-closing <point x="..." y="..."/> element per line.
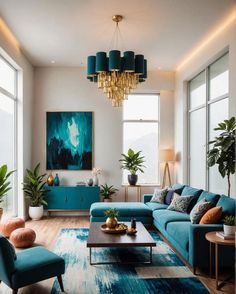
<point x="212" y="216"/>
<point x="180" y="203"/>
<point x="159" y="195"/>
<point x="199" y="210"/>
<point x="194" y="192"/>
<point x="178" y="186"/>
<point x="179" y="231"/>
<point x="227" y="204"/>
<point x="211" y="197"/>
<point x="154" y="205"/>
<point x="163" y="217"/>
<point x="124" y="208"/>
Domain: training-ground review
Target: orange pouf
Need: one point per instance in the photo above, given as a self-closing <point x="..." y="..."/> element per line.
<point x="9" y="225"/>
<point x="23" y="237"/>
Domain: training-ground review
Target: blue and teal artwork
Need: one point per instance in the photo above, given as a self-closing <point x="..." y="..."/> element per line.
<point x="69" y="140"/>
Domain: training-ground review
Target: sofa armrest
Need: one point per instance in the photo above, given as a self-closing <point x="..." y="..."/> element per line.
<point x="147" y="198"/>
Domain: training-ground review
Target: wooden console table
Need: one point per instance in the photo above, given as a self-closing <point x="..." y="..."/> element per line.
<point x="138" y="192"/>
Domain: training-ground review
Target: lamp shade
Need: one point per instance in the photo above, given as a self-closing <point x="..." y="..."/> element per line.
<point x="167" y="155"/>
<point x="139" y="64"/>
<point x="91" y="66"/>
<point x="129" y="63"/>
<point x="101" y="62"/>
<point x="114" y="60"/>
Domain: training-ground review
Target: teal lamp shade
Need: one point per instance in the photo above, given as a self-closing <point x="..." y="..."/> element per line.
<point x="129" y="64"/>
<point x="101" y="62"/>
<point x="114" y="60"/>
<point x="139" y="64"/>
<point x="91" y="66"/>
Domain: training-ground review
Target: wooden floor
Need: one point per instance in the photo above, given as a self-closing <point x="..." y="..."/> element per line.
<point x="47" y="231"/>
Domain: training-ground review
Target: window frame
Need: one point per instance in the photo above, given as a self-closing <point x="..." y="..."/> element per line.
<point x="144" y="121"/>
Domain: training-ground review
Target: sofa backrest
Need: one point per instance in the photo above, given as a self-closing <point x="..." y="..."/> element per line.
<point x="191" y="191"/>
<point x="178" y="187"/>
<point x="227" y="204"/>
<point x="210" y="197"/>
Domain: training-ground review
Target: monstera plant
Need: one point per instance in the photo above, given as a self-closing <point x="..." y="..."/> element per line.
<point x="222" y="152"/>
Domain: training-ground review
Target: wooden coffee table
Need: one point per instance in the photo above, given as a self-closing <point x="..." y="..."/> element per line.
<point x="97" y="238"/>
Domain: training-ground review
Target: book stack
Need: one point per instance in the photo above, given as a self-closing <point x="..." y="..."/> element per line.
<point x="225" y="237"/>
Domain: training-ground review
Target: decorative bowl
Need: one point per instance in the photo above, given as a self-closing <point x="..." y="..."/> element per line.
<point x="119" y="229"/>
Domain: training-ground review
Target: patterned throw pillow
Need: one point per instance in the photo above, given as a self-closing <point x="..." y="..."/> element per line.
<point x="180" y="203"/>
<point x="199" y="210"/>
<point x="159" y="195"/>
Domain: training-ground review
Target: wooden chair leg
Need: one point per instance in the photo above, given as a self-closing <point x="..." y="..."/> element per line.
<point x="60" y="283"/>
<point x="14" y="291"/>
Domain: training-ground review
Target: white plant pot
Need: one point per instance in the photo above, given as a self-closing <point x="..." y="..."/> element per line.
<point x="36" y="212"/>
<point x="106" y="200"/>
<point x="229" y="230"/>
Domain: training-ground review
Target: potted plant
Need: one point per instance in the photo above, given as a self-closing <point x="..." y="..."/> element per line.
<point x="223" y="150"/>
<point x="133" y="162"/>
<point x="229" y="225"/>
<point x="107" y="192"/>
<point x="4" y="185"/>
<point x="34" y="188"/>
<point x="112" y="215"/>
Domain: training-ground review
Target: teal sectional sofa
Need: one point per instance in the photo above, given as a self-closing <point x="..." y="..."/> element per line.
<point x="187" y="238"/>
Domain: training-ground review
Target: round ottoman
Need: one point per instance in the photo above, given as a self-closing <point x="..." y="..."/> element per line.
<point x="23" y="237"/>
<point x="9" y="225"/>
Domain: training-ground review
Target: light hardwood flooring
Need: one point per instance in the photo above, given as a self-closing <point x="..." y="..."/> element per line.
<point x="47" y="231"/>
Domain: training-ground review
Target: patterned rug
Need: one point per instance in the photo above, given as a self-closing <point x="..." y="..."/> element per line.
<point x="167" y="273"/>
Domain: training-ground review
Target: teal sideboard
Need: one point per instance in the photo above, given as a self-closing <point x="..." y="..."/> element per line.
<point x="68" y="198"/>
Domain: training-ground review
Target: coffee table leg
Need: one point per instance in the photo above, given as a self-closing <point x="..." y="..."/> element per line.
<point x="151" y="254"/>
<point x="90" y="255"/>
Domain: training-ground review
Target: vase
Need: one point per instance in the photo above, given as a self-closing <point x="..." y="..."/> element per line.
<point x="111" y="222"/>
<point x="106" y="199"/>
<point x="90" y="182"/>
<point x="50" y="180"/>
<point x="229" y="230"/>
<point x="56" y="180"/>
<point x="132" y="179"/>
<point x="36" y="212"/>
<point x="95" y="180"/>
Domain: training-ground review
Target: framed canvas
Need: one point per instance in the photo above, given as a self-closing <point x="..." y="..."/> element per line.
<point x="69" y="140"/>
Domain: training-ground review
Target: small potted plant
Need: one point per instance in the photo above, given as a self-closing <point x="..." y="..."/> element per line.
<point x="133" y="162"/>
<point x="112" y="215"/>
<point x="4" y="185"/>
<point x="107" y="192"/>
<point x="34" y="188"/>
<point x="229" y="225"/>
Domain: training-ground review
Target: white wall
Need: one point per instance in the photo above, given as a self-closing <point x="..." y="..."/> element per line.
<point x="67" y="89"/>
<point x="10" y="49"/>
<point x="227" y="38"/>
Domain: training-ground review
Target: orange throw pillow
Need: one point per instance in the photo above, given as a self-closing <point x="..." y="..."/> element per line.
<point x="212" y="216"/>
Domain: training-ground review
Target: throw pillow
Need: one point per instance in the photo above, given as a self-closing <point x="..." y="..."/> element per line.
<point x="159" y="195"/>
<point x="199" y="210"/>
<point x="180" y="203"/>
<point x="169" y="196"/>
<point x="212" y="216"/>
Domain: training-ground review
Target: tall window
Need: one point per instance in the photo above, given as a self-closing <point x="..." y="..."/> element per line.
<point x="141" y="132"/>
<point x="207" y="106"/>
<point x="8" y="76"/>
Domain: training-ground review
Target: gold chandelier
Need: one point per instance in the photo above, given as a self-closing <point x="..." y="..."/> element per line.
<point x="117" y="75"/>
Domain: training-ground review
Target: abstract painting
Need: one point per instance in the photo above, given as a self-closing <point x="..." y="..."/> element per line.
<point x="69" y="140"/>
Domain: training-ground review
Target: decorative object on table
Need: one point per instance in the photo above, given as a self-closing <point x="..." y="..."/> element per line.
<point x="8" y="225"/>
<point x="56" y="180"/>
<point x="133" y="162"/>
<point x="107" y="191"/>
<point x="131" y="231"/>
<point x="95" y="172"/>
<point x="166" y="156"/>
<point x="4" y="184"/>
<point x="199" y="210"/>
<point x="90" y="182"/>
<point x="212" y="216"/>
<point x="223" y="149"/>
<point x="69" y="140"/>
<point x="225" y="237"/>
<point x="50" y="179"/>
<point x="229" y="225"/>
<point x="159" y="195"/>
<point x="112" y="215"/>
<point x="81" y="183"/>
<point x="35" y="190"/>
<point x="23" y="237"/>
<point x="117" y="76"/>
<point x="133" y="223"/>
<point x="118" y="229"/>
<point x="180" y="203"/>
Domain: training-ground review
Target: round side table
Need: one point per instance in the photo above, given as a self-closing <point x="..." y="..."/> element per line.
<point x="214" y="239"/>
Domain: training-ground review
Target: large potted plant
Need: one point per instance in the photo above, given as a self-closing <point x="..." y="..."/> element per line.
<point x="107" y="192"/>
<point x="133" y="162"/>
<point x="4" y="184"/>
<point x="229" y="225"/>
<point x="223" y="149"/>
<point x="34" y="188"/>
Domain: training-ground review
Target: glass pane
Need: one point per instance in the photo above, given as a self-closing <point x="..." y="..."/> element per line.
<point x="7" y="77"/>
<point x="144" y="137"/>
<point x="197" y="90"/>
<point x="141" y="107"/>
<point x="218" y="112"/>
<point x="219" y="77"/>
<point x="198" y="148"/>
<point x="7" y="143"/>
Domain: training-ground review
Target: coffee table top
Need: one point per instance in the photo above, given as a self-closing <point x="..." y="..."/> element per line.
<point x="97" y="238"/>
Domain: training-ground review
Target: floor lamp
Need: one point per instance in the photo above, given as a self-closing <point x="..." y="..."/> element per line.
<point x="166" y="156"/>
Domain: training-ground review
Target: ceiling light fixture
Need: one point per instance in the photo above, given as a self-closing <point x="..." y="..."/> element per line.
<point x="117" y="75"/>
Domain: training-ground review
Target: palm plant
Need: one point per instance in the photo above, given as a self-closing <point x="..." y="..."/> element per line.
<point x="34" y="187"/>
<point x="108" y="191"/>
<point x="111" y="212"/>
<point x="132" y="162"/>
<point x="4" y="184"/>
<point x="223" y="150"/>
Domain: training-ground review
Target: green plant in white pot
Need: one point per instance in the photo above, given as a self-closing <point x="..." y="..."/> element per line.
<point x="107" y="192"/>
<point x="229" y="225"/>
<point x="34" y="188"/>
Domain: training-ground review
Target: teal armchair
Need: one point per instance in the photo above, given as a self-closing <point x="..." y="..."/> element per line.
<point x="28" y="266"/>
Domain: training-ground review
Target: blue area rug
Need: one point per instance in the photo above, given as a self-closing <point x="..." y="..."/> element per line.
<point x="167" y="273"/>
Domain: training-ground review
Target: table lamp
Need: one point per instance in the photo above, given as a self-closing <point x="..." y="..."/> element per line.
<point x="166" y="156"/>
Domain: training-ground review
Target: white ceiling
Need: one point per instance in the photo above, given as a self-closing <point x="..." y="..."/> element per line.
<point x="67" y="31"/>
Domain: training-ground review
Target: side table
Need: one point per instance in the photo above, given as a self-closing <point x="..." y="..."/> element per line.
<point x="214" y="239"/>
<point x="138" y="192"/>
